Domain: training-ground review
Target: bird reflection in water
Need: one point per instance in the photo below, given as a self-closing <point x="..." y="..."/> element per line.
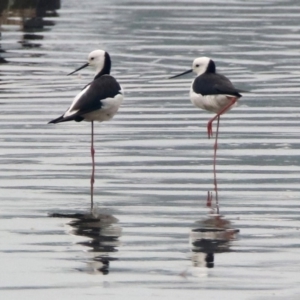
<point x="103" y="234"/>
<point x="211" y="235"/>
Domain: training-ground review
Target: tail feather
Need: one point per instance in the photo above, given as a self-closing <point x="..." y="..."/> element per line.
<point x="58" y="120"/>
<point x="66" y="119"/>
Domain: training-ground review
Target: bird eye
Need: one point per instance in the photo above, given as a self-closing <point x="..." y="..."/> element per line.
<point x="92" y="58"/>
<point x="197" y="66"/>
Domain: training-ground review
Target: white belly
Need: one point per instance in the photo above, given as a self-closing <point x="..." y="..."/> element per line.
<point x="213" y="103"/>
<point x="107" y="111"/>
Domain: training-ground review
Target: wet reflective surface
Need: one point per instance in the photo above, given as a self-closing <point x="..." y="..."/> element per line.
<point x="148" y="235"/>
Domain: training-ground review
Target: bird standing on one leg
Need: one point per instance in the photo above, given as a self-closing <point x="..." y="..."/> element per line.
<point x="98" y="101"/>
<point x="212" y="92"/>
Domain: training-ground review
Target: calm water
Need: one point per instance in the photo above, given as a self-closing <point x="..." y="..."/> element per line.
<point x="148" y="235"/>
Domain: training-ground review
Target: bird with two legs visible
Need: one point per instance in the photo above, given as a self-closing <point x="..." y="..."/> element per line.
<point x="213" y="92"/>
<point x="98" y="101"/>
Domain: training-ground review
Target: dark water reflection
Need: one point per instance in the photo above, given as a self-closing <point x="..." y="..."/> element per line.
<point x="103" y="234"/>
<point x="30" y="16"/>
<point x="211" y="235"/>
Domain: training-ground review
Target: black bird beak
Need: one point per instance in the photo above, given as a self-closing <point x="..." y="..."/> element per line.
<point x="186" y="72"/>
<point x="82" y="67"/>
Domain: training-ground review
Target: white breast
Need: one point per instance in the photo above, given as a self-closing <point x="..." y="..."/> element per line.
<point x="107" y="111"/>
<point x="213" y="103"/>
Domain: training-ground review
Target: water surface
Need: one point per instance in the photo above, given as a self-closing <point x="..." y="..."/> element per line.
<point x="154" y="161"/>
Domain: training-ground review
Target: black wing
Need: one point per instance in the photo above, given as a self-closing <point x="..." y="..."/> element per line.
<point x="214" y="84"/>
<point x="101" y="88"/>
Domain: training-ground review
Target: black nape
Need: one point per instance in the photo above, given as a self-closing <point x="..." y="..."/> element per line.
<point x="106" y="67"/>
<point x="211" y="68"/>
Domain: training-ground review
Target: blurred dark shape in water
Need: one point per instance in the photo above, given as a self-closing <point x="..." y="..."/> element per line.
<point x="2" y="60"/>
<point x="28" y="14"/>
<point x="39" y="5"/>
<point x="103" y="233"/>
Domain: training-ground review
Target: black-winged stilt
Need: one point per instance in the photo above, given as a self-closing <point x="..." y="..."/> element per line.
<point x="212" y="92"/>
<point x="98" y="101"/>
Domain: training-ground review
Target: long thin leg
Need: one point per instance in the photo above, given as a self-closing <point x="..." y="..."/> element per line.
<point x="209" y="124"/>
<point x="209" y="199"/>
<point x="215" y="160"/>
<point x="93" y="165"/>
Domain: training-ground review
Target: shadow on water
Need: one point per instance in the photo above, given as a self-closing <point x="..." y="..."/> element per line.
<point x="103" y="234"/>
<point x="29" y="16"/>
<point x="211" y="235"/>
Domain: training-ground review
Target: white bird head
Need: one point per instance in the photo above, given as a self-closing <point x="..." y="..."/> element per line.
<point x="200" y="65"/>
<point x="99" y="60"/>
<point x="96" y="59"/>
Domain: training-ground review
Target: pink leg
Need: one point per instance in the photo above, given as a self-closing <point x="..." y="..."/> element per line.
<point x="214" y="168"/>
<point x="209" y="124"/>
<point x="93" y="165"/>
<point x="209" y="199"/>
<point x="209" y="128"/>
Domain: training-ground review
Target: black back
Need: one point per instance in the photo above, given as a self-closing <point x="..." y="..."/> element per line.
<point x="101" y="88"/>
<point x="214" y="84"/>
